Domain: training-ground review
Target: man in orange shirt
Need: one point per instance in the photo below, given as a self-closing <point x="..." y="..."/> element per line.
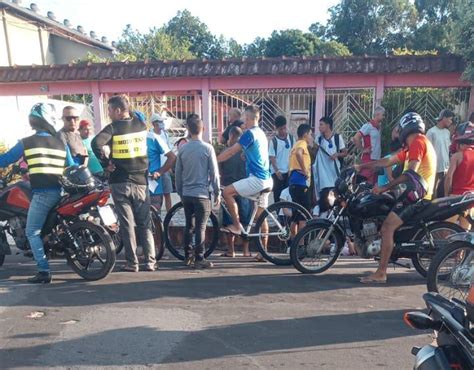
<point x="419" y="174"/>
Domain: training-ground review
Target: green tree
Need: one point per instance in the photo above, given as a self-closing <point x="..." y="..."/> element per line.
<point x="192" y="31"/>
<point x="154" y="45"/>
<point x="255" y="49"/>
<point x="370" y="26"/>
<point x="465" y="36"/>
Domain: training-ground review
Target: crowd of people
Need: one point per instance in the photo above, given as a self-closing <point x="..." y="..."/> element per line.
<point x="139" y="160"/>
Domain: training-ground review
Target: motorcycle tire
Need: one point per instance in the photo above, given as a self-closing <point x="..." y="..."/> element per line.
<point x="305" y="232"/>
<point x="284" y="258"/>
<point x="416" y="260"/>
<point x="438" y="259"/>
<point x="2" y="259"/>
<point x="178" y="251"/>
<point x="78" y="263"/>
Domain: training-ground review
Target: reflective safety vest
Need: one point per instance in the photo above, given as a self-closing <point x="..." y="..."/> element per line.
<point x="128" y="151"/>
<point x="46" y="159"/>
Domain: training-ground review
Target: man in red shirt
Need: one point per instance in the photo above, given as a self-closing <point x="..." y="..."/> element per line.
<point x="418" y="157"/>
<point x="368" y="140"/>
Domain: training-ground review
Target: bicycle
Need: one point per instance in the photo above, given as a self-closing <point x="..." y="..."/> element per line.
<point x="275" y="249"/>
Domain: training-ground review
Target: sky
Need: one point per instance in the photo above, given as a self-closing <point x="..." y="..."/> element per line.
<point x="242" y="20"/>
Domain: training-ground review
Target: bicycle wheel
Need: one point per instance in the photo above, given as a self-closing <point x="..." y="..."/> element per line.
<point x="174" y="232"/>
<point x="439" y="231"/>
<point x="274" y="245"/>
<point x="157" y="231"/>
<point x="308" y="255"/>
<point x="451" y="270"/>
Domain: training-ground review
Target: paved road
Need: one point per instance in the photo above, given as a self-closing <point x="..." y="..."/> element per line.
<point x="239" y="315"/>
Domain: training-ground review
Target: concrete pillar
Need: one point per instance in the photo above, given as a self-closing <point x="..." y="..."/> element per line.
<point x="97" y="101"/>
<point x="206" y="110"/>
<point x="379" y="90"/>
<point x="320" y="102"/>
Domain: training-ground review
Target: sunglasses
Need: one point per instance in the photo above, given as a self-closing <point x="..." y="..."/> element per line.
<point x="71" y="118"/>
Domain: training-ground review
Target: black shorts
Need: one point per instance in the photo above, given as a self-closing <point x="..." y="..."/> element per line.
<point x="300" y="194"/>
<point x="406" y="212"/>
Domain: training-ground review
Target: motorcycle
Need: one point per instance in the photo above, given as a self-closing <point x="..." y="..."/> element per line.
<point x="454" y="347"/>
<point x="68" y="231"/>
<point x="452" y="269"/>
<point x="358" y="215"/>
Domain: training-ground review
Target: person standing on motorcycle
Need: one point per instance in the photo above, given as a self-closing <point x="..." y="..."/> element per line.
<point x="460" y="176"/>
<point x="46" y="156"/>
<point x="419" y="158"/>
<point x="128" y="168"/>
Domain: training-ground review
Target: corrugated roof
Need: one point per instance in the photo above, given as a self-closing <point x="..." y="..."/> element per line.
<point x="232" y="67"/>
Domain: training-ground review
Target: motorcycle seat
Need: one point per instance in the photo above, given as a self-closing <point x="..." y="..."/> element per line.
<point x="443" y="208"/>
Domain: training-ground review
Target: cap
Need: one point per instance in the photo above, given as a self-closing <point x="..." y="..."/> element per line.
<point x="155" y="117"/>
<point x="445" y="113"/>
<point x="84" y="123"/>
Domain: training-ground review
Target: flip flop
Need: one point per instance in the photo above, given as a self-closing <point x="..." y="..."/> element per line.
<point x="369" y="280"/>
<point x="247" y="255"/>
<point x="228" y="231"/>
<point x="227" y="255"/>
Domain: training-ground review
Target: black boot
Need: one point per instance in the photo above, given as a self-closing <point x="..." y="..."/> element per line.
<point x="42" y="277"/>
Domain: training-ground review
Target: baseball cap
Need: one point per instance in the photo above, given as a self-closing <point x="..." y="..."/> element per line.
<point x="155" y="117"/>
<point x="445" y="113"/>
<point x="84" y="123"/>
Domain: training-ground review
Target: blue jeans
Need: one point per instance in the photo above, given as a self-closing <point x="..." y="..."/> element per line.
<point x="41" y="204"/>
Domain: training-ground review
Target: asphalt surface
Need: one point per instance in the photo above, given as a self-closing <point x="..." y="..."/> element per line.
<point x="240" y="314"/>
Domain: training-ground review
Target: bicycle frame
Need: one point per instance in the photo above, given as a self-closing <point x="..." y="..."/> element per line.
<point x="246" y="231"/>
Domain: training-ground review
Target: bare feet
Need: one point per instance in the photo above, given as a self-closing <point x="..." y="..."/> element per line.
<point x="231" y="229"/>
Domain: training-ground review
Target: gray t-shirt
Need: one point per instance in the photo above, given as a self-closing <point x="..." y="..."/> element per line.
<point x="197" y="170"/>
<point x="441" y="140"/>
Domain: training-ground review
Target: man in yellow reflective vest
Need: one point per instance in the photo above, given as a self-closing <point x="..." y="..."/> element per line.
<point x="46" y="157"/>
<point x="128" y="167"/>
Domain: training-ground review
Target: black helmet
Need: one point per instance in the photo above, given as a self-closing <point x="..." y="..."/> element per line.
<point x="409" y="124"/>
<point x="78" y="179"/>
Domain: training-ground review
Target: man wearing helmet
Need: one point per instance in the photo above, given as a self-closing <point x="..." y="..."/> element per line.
<point x="46" y="157"/>
<point x="460" y="176"/>
<point x="419" y="174"/>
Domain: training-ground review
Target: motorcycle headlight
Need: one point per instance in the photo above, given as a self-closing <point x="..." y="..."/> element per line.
<point x="331" y="198"/>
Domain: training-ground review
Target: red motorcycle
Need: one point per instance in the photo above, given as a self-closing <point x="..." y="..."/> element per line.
<point x="68" y="232"/>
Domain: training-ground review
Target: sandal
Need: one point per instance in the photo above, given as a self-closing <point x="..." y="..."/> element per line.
<point x="227" y="255"/>
<point x="247" y="255"/>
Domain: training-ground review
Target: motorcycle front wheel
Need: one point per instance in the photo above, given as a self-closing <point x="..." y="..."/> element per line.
<point x="93" y="256"/>
<point x="307" y="253"/>
<point x="451" y="270"/>
<point x="439" y="231"/>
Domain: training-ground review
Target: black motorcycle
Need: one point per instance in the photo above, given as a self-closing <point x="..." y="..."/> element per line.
<point x="357" y="216"/>
<point x="454" y="339"/>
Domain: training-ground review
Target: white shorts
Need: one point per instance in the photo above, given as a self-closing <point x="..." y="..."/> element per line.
<point x="252" y="186"/>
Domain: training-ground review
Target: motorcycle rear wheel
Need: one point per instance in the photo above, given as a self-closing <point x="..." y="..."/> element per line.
<point x="422" y="262"/>
<point x="96" y="248"/>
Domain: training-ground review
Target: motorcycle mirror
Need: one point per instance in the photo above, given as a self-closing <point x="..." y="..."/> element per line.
<point x="420" y="321"/>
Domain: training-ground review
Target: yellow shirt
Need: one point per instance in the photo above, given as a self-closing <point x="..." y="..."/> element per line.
<point x="294" y="164"/>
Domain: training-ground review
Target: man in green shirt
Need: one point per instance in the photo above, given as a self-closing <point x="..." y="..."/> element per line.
<point x="86" y="132"/>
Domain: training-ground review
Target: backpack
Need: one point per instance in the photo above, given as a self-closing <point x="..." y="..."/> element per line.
<point x="275" y="143"/>
<point x="337" y="141"/>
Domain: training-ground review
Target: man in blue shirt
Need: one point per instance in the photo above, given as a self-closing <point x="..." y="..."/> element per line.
<point x="254" y="144"/>
<point x="46" y="157"/>
<point x="156" y="148"/>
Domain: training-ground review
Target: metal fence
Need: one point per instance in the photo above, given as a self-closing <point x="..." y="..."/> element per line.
<point x="297" y="105"/>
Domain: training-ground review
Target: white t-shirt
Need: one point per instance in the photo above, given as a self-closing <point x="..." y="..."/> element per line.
<point x="375" y="141"/>
<point x="441" y="140"/>
<point x="282" y="153"/>
<point x="324" y="168"/>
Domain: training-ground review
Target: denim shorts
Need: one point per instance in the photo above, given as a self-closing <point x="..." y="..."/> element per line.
<point x="245" y="212"/>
